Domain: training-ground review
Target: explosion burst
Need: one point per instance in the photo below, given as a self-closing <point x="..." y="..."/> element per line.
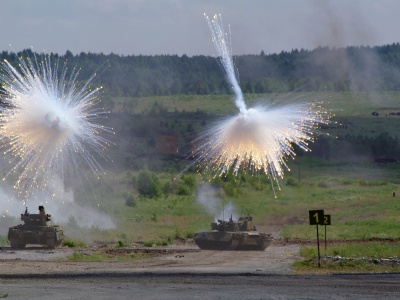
<point x="258" y="139"/>
<point x="47" y="123"/>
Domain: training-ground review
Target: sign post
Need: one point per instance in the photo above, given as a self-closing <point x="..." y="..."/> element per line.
<point x="327" y="221"/>
<point x="317" y="218"/>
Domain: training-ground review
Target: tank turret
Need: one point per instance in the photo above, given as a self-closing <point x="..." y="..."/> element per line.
<point x="35" y="230"/>
<point x="35" y="219"/>
<point x="233" y="235"/>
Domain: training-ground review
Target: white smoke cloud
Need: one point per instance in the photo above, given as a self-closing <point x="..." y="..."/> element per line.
<point x="63" y="208"/>
<point x="210" y="197"/>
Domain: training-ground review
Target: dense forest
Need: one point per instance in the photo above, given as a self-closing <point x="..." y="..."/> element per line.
<point x="333" y="69"/>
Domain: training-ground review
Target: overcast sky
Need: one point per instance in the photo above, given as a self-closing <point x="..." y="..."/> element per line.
<point x="152" y="27"/>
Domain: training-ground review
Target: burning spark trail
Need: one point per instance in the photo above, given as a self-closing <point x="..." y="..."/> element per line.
<point x="47" y="123"/>
<point x="258" y="139"/>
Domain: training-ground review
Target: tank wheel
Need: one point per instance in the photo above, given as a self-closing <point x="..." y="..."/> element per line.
<point x="51" y="243"/>
<point x="17" y="245"/>
<point x="233" y="245"/>
<point x="13" y="244"/>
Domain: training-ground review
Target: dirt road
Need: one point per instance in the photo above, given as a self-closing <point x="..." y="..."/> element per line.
<point x="276" y="259"/>
<point x="180" y="272"/>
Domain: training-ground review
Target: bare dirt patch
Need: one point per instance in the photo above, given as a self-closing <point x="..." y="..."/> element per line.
<point x="178" y="272"/>
<point x="184" y="256"/>
<point x="276" y="259"/>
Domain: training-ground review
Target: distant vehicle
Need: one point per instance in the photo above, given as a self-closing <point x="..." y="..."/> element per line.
<point x="35" y="231"/>
<point x="233" y="235"/>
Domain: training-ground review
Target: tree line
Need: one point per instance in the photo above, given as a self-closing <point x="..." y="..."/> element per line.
<point x="360" y="68"/>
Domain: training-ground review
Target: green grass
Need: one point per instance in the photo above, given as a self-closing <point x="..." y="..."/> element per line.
<point x="370" y="249"/>
<point x="351" y="109"/>
<point x="102" y="256"/>
<point x="4" y="240"/>
<point x="189" y="103"/>
<point x="356" y="194"/>
<point x="360" y="207"/>
<point x="72" y="243"/>
<point x="355" y="257"/>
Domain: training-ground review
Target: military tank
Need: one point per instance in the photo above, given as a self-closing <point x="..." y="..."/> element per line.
<point x="233" y="235"/>
<point x="35" y="231"/>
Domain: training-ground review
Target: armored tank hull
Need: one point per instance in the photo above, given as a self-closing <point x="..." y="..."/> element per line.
<point x="50" y="236"/>
<point x="35" y="231"/>
<point x="233" y="235"/>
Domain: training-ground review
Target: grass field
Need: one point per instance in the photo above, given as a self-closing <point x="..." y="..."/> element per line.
<point x="356" y="193"/>
<point x="351" y="109"/>
<point x="342" y="104"/>
<point x="358" y="197"/>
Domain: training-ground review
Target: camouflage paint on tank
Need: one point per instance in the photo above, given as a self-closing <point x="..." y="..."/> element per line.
<point x="233" y="235"/>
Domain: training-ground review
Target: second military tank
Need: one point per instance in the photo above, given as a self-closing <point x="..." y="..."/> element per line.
<point x="233" y="235"/>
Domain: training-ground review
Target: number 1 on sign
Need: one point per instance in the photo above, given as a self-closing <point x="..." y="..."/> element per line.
<point x="316" y="218"/>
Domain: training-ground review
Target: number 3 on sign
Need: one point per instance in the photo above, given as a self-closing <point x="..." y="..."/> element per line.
<point x="316" y="217"/>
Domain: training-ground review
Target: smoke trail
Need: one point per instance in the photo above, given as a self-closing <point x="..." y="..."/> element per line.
<point x="222" y="44"/>
<point x="259" y="139"/>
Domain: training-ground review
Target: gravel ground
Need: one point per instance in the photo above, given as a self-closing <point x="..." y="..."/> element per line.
<point x="276" y="259"/>
<point x="180" y="272"/>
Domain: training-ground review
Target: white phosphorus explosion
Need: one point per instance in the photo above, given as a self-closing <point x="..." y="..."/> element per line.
<point x="258" y="139"/>
<point x="47" y="123"/>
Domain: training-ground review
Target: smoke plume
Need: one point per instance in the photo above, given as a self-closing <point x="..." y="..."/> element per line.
<point x="210" y="198"/>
